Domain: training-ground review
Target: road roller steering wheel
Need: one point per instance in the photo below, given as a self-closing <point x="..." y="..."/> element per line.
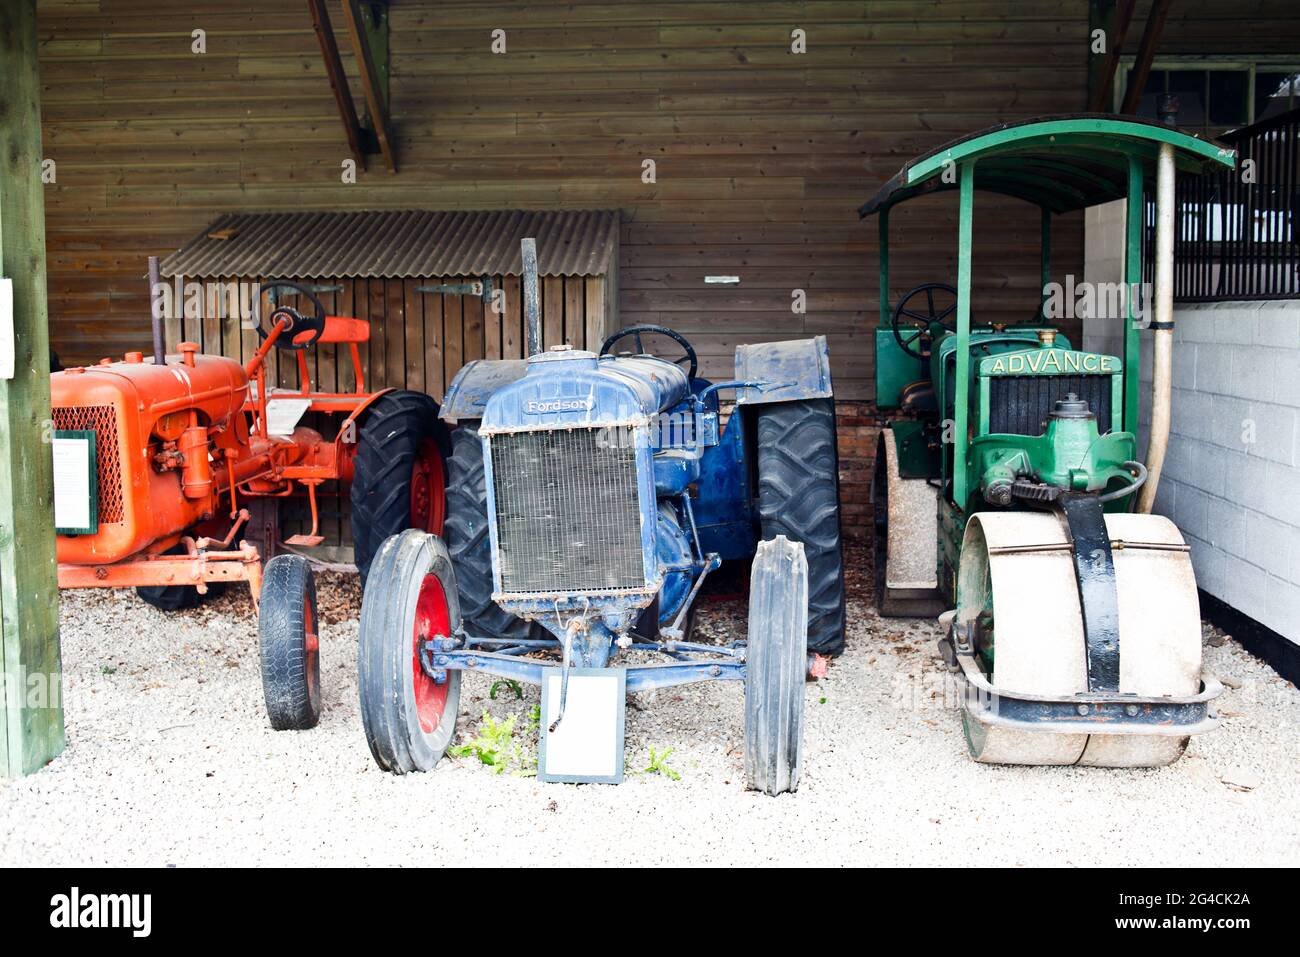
<point x="688" y="358"/>
<point x="916" y="327"/>
<point x="298" y="324"/>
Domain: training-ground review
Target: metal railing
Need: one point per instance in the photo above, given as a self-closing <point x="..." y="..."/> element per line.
<point x="1237" y="232"/>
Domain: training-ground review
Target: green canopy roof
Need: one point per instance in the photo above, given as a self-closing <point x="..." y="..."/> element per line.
<point x="1060" y="163"/>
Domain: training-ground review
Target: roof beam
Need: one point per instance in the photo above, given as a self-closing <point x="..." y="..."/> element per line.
<point x="1145" y="55"/>
<point x="1113" y="18"/>
<point x="329" y="49"/>
<point x="368" y="30"/>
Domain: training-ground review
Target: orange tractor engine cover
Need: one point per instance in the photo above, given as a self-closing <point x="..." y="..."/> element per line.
<point x="154" y="426"/>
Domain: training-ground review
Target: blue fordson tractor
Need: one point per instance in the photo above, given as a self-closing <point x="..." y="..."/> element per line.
<point x="589" y="496"/>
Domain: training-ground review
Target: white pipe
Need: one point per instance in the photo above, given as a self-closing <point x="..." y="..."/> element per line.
<point x="1163" y="328"/>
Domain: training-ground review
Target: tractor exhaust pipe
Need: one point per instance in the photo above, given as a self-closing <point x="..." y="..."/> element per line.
<point x="156" y="312"/>
<point x="1163" y="328"/>
<point x="532" y="297"/>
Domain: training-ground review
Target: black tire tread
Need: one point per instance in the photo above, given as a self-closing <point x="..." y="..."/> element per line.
<point x="384" y="656"/>
<point x="798" y="496"/>
<point x="776" y="665"/>
<point x="388" y="441"/>
<point x="468" y="540"/>
<point x="287" y="582"/>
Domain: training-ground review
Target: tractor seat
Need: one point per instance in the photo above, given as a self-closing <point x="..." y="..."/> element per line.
<point x="919" y="397"/>
<point x="343" y="329"/>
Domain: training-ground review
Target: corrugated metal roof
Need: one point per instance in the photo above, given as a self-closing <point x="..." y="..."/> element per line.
<point x="397" y="244"/>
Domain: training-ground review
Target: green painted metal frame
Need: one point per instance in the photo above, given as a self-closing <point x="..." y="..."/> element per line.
<point x="1127" y="145"/>
<point x="1132" y="276"/>
<point x="961" y="397"/>
<point x="1024" y="160"/>
<point x="1074" y="132"/>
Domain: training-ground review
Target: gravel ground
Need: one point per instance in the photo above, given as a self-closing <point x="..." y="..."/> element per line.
<point x="170" y="762"/>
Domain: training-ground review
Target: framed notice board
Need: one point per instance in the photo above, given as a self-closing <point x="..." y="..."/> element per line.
<point x="76" y="483"/>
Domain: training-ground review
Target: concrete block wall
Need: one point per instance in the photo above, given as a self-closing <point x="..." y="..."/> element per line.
<point x="1232" y="475"/>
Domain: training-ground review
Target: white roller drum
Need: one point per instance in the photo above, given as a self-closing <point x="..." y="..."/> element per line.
<point x="1025" y="558"/>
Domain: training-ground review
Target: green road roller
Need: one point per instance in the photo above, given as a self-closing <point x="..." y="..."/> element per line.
<point x="1009" y="495"/>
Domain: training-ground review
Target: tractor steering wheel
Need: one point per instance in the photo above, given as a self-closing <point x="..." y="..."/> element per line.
<point x="914" y="328"/>
<point x="298" y="324"/>
<point x="688" y="358"/>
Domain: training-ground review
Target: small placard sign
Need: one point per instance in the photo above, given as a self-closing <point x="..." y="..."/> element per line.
<point x="8" y="344"/>
<point x="282" y="415"/>
<point x="587" y="747"/>
<point x="76" y="492"/>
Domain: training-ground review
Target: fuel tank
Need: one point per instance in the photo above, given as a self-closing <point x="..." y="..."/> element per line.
<point x="138" y="411"/>
<point x="570" y="387"/>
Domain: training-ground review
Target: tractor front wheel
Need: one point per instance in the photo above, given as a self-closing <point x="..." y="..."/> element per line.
<point x="409" y="717"/>
<point x="177" y="597"/>
<point x="799" y="497"/>
<point x="289" y="644"/>
<point x="776" y="665"/>
<point x="399" y="478"/>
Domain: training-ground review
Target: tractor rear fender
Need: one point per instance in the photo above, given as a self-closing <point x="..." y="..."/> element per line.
<point x="345" y="442"/>
<point x="790" y="370"/>
<point x="468" y="394"/>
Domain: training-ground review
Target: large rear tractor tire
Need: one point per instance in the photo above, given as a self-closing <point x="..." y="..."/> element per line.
<point x="468" y="541"/>
<point x="289" y="644"/>
<point x="409" y="718"/>
<point x="776" y="665"/>
<point x="400" y="478"/>
<point x="799" y="497"/>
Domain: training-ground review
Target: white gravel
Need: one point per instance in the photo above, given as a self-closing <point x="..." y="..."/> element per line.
<point x="170" y="762"/>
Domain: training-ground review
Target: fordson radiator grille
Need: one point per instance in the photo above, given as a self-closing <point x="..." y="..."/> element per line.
<point x="568" y="517"/>
<point x="1020" y="405"/>
<point x="102" y="420"/>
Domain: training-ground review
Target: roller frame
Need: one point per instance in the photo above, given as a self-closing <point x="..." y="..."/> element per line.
<point x="1091" y="713"/>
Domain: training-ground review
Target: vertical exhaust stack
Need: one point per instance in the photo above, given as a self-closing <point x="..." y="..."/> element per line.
<point x="532" y="297"/>
<point x="156" y="313"/>
<point x="1163" y="329"/>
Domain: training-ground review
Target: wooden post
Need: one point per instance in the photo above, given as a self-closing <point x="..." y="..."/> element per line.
<point x="31" y="718"/>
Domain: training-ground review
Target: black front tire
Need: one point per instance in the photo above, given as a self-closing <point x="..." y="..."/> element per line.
<point x="776" y="665"/>
<point x="799" y="497"/>
<point x="177" y="597"/>
<point x="469" y="543"/>
<point x="396" y="430"/>
<point x="409" y="719"/>
<point x="289" y="644"/>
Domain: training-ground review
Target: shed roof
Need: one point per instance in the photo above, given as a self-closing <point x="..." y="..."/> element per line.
<point x="1061" y="163"/>
<point x="397" y="244"/>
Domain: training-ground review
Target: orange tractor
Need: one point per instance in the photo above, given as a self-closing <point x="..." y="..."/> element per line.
<point x="185" y="449"/>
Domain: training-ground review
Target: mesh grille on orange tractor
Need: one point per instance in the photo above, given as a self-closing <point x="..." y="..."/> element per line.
<point x="101" y="420"/>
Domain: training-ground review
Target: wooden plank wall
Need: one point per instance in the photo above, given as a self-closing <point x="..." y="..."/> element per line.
<point x="417" y="340"/>
<point x="762" y="155"/>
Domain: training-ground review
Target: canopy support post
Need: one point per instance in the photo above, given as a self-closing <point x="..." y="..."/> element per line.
<point x="1044" y="260"/>
<point x="1134" y="213"/>
<point x="1162" y="330"/>
<point x="965" y="251"/>
<point x="884" y="267"/>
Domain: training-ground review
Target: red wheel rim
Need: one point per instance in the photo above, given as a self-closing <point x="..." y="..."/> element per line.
<point x="431" y="619"/>
<point x="310" y="647"/>
<point x="428" y="489"/>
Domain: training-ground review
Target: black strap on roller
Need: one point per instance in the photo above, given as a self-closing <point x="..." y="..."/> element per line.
<point x="1094" y="568"/>
<point x="1161" y="325"/>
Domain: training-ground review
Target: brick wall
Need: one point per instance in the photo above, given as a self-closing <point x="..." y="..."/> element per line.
<point x="858" y="428"/>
